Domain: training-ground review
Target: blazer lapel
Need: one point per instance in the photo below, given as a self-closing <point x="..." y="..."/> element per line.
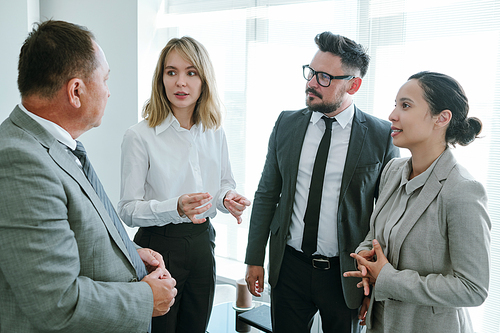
<point x="428" y="194"/>
<point x="65" y="162"/>
<point x="358" y="131"/>
<point x="62" y="158"/>
<point x="296" y="132"/>
<point x="385" y="193"/>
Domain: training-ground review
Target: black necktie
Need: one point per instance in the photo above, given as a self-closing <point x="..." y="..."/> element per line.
<point x="311" y="216"/>
<point x="96" y="184"/>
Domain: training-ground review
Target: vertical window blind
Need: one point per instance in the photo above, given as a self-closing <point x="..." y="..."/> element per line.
<point x="258" y="47"/>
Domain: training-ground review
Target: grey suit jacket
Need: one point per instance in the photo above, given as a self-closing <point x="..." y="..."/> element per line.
<point x="63" y="265"/>
<point x="442" y="259"/>
<point x="370" y="148"/>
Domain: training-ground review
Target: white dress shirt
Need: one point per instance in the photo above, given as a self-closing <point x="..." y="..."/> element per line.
<point x="162" y="163"/>
<point x="327" y="228"/>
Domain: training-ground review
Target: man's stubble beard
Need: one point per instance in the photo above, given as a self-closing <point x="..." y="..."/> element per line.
<point x="325" y="108"/>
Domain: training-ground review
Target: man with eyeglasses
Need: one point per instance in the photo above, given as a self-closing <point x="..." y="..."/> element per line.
<point x="316" y="195"/>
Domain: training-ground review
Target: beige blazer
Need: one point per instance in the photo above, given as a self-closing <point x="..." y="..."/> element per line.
<point x="443" y="251"/>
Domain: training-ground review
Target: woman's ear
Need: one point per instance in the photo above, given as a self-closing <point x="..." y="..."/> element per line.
<point x="444" y="118"/>
<point x="74" y="89"/>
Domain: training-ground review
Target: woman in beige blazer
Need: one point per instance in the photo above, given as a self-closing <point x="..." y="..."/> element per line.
<point x="426" y="256"/>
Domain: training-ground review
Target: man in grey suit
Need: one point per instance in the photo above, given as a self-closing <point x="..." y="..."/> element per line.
<point x="66" y="263"/>
<point x="316" y="195"/>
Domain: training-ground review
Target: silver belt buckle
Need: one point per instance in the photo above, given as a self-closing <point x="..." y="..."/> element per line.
<point x="322" y="261"/>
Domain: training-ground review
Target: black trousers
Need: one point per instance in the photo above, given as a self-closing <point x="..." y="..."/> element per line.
<point x="188" y="251"/>
<point x="302" y="290"/>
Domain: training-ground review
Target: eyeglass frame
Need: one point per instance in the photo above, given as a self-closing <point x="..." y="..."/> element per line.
<point x="332" y="77"/>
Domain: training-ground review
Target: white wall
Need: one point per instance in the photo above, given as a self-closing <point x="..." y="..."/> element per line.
<point x="114" y="23"/>
<point x="15" y="20"/>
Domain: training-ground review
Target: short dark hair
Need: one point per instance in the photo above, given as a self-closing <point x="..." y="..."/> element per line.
<point x="52" y="54"/>
<point x="443" y="92"/>
<point x="352" y="54"/>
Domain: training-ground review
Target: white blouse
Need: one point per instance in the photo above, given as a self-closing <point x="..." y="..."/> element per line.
<point x="160" y="164"/>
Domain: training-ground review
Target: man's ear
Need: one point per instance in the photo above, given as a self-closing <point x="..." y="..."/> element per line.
<point x="74" y="88"/>
<point x="444" y="118"/>
<point x="355" y="84"/>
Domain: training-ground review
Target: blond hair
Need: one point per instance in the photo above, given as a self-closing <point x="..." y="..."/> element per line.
<point x="208" y="107"/>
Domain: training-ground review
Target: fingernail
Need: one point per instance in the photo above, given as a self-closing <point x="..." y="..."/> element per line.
<point x="375" y="242"/>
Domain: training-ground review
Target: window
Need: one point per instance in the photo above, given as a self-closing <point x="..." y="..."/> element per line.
<point x="259" y="46"/>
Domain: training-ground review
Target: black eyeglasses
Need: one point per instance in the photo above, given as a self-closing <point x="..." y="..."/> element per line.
<point x="324" y="79"/>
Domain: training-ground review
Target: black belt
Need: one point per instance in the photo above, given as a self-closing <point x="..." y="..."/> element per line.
<point x="316" y="261"/>
<point x="179" y="229"/>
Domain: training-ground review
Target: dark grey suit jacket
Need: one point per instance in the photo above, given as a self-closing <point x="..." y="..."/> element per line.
<point x="63" y="265"/>
<point x="370" y="148"/>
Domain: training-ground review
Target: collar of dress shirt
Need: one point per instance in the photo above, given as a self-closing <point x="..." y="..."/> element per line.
<point x="171" y="121"/>
<point x="343" y="118"/>
<point x="413" y="184"/>
<point x="57" y="131"/>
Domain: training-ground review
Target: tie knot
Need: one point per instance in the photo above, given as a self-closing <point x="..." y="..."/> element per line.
<point x="328" y="122"/>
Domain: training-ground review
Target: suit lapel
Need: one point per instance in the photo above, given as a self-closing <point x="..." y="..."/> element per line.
<point x="68" y="164"/>
<point x="295" y="134"/>
<point x="385" y="193"/>
<point x="62" y="158"/>
<point x="358" y="131"/>
<point x="428" y="194"/>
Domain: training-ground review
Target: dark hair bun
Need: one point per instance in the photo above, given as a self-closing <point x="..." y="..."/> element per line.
<point x="465" y="134"/>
